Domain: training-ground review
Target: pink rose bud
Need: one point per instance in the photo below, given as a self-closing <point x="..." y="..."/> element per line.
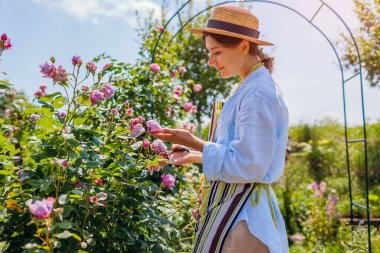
<point x="153" y="126"/>
<point x="178" y="87"/>
<point x="146" y="143"/>
<point x="197" y="88"/>
<point x="182" y="70"/>
<point x="43" y="87"/>
<point x="39" y="93"/>
<point x="99" y="181"/>
<point x="188" y="106"/>
<point x="194" y="109"/>
<point x="7" y="44"/>
<point x="160" y="28"/>
<point x="62" y="115"/>
<point x="155" y="67"/>
<point x="106" y="66"/>
<point x="168" y="181"/>
<point x="85" y="88"/>
<point x="129" y="112"/>
<point x="141" y="119"/>
<point x="114" y="111"/>
<point x="126" y="104"/>
<point x="4" y="37"/>
<point x="134" y="121"/>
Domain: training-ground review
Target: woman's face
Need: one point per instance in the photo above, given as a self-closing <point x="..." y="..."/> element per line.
<point x="228" y="61"/>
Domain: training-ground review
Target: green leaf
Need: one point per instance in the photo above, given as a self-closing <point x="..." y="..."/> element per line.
<point x="65" y="224"/>
<point x="5" y="83"/>
<point x="42" y="184"/>
<point x="59" y="102"/>
<point x="66" y="234"/>
<point x="4" y="245"/>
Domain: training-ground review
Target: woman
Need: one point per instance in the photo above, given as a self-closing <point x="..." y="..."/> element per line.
<point x="239" y="211"/>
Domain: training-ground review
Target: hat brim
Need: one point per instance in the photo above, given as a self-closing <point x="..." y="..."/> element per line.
<point x="198" y="31"/>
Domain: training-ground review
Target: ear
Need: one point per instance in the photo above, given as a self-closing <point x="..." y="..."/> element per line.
<point x="245" y="47"/>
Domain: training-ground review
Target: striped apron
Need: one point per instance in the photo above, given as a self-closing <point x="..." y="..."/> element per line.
<point x="221" y="204"/>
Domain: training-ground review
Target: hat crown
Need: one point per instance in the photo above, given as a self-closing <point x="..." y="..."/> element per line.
<point x="235" y="15"/>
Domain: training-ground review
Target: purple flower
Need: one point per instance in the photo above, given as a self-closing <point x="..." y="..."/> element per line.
<point x="48" y="70"/>
<point x="41" y="209"/>
<point x="108" y="90"/>
<point x="91" y="67"/>
<point x="60" y="76"/>
<point x="137" y="130"/>
<point x="153" y="126"/>
<point x="155" y="67"/>
<point x="168" y="180"/>
<point x="76" y="60"/>
<point x="197" y="88"/>
<point x="159" y="147"/>
<point x="4" y="37"/>
<point x="297" y="238"/>
<point x="96" y="96"/>
<point x="313" y="185"/>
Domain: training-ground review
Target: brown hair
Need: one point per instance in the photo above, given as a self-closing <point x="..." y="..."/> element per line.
<point x="254" y="49"/>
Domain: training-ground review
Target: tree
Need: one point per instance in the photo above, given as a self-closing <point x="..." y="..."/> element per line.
<point x="368" y="41"/>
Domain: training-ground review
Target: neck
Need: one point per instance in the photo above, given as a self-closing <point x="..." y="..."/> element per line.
<point x="245" y="71"/>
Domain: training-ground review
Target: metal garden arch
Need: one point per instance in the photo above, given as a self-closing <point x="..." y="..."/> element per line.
<point x="344" y="81"/>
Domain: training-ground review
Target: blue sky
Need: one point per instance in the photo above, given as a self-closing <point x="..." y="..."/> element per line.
<point x="306" y="67"/>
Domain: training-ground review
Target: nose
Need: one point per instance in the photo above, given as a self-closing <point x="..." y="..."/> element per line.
<point x="211" y="61"/>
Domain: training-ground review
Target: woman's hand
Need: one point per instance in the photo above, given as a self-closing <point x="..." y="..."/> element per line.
<point x="182" y="157"/>
<point x="180" y="136"/>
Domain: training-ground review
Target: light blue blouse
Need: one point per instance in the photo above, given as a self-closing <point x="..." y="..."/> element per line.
<point x="249" y="146"/>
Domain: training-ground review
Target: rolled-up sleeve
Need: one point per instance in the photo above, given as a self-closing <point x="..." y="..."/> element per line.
<point x="246" y="158"/>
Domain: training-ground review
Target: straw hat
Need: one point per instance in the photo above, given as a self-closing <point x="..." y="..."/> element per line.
<point x="233" y="21"/>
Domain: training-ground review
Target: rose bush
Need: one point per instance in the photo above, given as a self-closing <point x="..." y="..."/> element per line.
<point x="79" y="171"/>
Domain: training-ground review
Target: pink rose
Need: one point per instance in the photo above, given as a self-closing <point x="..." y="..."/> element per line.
<point x="60" y="75"/>
<point x="114" y="111"/>
<point x="4" y="37"/>
<point x="99" y="199"/>
<point x="7" y="44"/>
<point x="134" y="121"/>
<point x="108" y="90"/>
<point x="322" y="186"/>
<point x="159" y="147"/>
<point x="197" y="88"/>
<point x="168" y="181"/>
<point x="129" y="112"/>
<point x="48" y="70"/>
<point x="41" y="209"/>
<point x="76" y="60"/>
<point x="91" y="67"/>
<point x="137" y="130"/>
<point x="84" y="88"/>
<point x="155" y="67"/>
<point x="194" y="109"/>
<point x="126" y="104"/>
<point x="96" y="96"/>
<point x="178" y="92"/>
<point x="153" y="126"/>
<point x="188" y="106"/>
